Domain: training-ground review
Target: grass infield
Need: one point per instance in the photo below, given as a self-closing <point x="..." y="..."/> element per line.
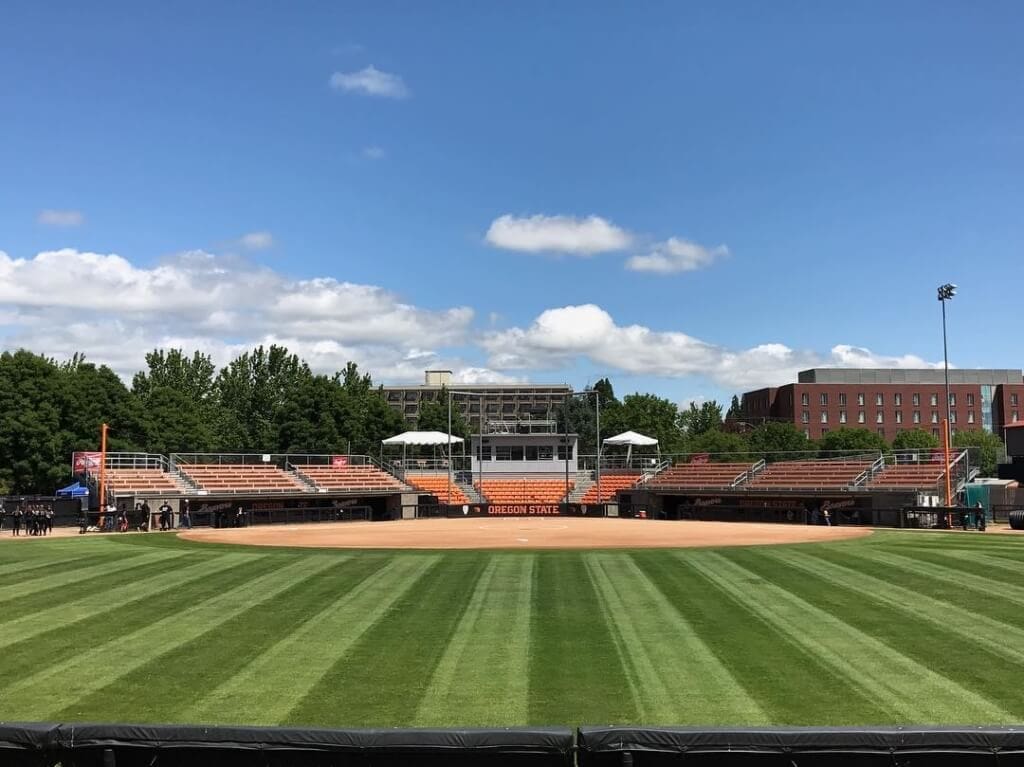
<point x="895" y="628"/>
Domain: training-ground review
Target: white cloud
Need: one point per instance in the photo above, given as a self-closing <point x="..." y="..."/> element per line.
<point x="257" y="241"/>
<point x="557" y="234"/>
<point x="480" y="375"/>
<point x="372" y="82"/>
<point x="62" y="218"/>
<point x="374" y="153"/>
<point x="59" y="302"/>
<point x="676" y="255"/>
<point x="559" y="337"/>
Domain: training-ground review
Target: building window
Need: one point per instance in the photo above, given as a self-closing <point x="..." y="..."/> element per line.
<point x="807" y="433"/>
<point x="899" y="416"/>
<point x="860" y="398"/>
<point x="824" y="399"/>
<point x="860" y="417"/>
<point x="842" y="398"/>
<point x="952" y="417"/>
<point x="878" y="417"/>
<point x="935" y="416"/>
<point x="917" y="416"/>
<point x="935" y="399"/>
<point x="562" y="453"/>
<point x="824" y="430"/>
<point x="1015" y="416"/>
<point x="1013" y="400"/>
<point x="952" y="399"/>
<point x="897" y="399"/>
<point x="805" y="399"/>
<point x="970" y="416"/>
<point x="970" y="400"/>
<point x="935" y="432"/>
<point x="879" y="399"/>
<point x="824" y="417"/>
<point x="842" y="416"/>
<point x="531" y="453"/>
<point x="805" y="417"/>
<point x="545" y="453"/>
<point x="503" y="452"/>
<point x="881" y="432"/>
<point x="916" y="399"/>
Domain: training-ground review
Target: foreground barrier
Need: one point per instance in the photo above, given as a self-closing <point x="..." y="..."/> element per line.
<point x="800" y="747"/>
<point x="88" y="745"/>
<point x="118" y="745"/>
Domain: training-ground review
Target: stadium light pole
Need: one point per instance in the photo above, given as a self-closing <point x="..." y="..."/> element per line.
<point x="480" y="462"/>
<point x="946" y="293"/>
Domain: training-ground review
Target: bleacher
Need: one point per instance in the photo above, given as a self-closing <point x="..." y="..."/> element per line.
<point x="809" y="475"/>
<point x="365" y="478"/>
<point x="437" y="486"/>
<point x="699" y="475"/>
<point x="140" y="482"/>
<point x="514" y="490"/>
<point x="908" y="476"/>
<point x="611" y="484"/>
<point x="238" y="478"/>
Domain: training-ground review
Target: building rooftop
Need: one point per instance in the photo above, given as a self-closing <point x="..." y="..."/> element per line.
<point x="909" y="376"/>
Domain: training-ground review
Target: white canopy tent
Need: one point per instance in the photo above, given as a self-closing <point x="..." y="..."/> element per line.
<point x="431" y="438"/>
<point x="631" y="439"/>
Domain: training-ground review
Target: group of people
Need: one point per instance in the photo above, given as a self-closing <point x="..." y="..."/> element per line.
<point x="122" y="519"/>
<point x="36" y="518"/>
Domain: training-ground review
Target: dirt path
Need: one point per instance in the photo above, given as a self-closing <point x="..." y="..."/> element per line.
<point x="525" y="533"/>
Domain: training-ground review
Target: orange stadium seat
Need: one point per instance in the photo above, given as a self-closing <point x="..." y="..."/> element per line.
<point x="699" y="475"/>
<point x="611" y="484"/>
<point x="351" y="478"/>
<point x="437" y="486"/>
<point x="215" y="477"/>
<point x="140" y="481"/>
<point x="924" y="476"/>
<point x="511" y="490"/>
<point x="812" y="474"/>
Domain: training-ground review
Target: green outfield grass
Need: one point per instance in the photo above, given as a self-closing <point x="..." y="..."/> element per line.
<point x="895" y="628"/>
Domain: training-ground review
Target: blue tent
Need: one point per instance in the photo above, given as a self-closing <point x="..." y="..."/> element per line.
<point x="73" y="491"/>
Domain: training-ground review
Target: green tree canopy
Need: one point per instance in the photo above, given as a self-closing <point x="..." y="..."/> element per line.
<point x="852" y="441"/>
<point x="987" y="450"/>
<point x="723" y="446"/>
<point x="434" y="415"/>
<point x="779" y="442"/>
<point x="915" y="439"/>
<point x="696" y="420"/>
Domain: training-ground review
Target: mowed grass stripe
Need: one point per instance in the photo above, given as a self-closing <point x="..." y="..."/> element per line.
<point x="975" y="561"/>
<point x="37" y="696"/>
<point x="293" y="665"/>
<point x="911" y="691"/>
<point x="483" y="676"/>
<point x="1001" y="639"/>
<point x="27" y="567"/>
<point x="102" y="600"/>
<point x="175" y="679"/>
<point x="382" y="678"/>
<point x="108" y="566"/>
<point x="951" y="575"/>
<point x="26" y="657"/>
<point x="675" y="677"/>
<point x="575" y="671"/>
<point x="791" y="686"/>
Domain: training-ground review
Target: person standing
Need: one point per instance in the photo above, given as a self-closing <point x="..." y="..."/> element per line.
<point x="49" y="520"/>
<point x="3" y="514"/>
<point x="147" y="518"/>
<point x="827" y="515"/>
<point x="186" y="515"/>
<point x="16" y="521"/>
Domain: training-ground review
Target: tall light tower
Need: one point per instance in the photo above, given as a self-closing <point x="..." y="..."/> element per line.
<point x="946" y="293"/>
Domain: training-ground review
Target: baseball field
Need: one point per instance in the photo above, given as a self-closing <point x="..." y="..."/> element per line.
<point x="897" y="627"/>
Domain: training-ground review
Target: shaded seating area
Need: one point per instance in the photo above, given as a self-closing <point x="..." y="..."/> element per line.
<point x="813" y="474"/>
<point x="140" y="481"/>
<point x="437" y="486"/>
<point x="700" y="474"/>
<point x="909" y="476"/>
<point x="351" y="478"/>
<point x="611" y="484"/>
<point x="231" y="478"/>
<point x="512" y="490"/>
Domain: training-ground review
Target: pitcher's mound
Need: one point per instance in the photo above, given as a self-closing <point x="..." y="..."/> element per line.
<point x="524" y="533"/>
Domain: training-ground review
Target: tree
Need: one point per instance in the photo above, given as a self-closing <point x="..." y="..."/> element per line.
<point x="735" y="411"/>
<point x="434" y="416"/>
<point x="194" y="376"/>
<point x="723" y="446"/>
<point x="915" y="439"/>
<point x="32" y="459"/>
<point x="655" y="417"/>
<point x="697" y="420"/>
<point x="851" y="441"/>
<point x="987" y="450"/>
<point x="779" y="441"/>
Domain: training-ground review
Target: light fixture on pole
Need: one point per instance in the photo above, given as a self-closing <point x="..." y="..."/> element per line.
<point x="946" y="293"/>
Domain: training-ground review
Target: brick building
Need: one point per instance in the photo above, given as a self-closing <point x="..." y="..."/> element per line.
<point x="890" y="400"/>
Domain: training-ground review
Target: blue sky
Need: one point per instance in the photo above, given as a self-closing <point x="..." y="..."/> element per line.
<point x="694" y="199"/>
